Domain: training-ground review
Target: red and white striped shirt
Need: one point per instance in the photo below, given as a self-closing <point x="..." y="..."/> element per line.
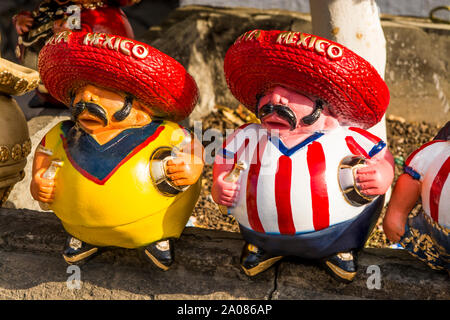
<point x="431" y="165"/>
<point x="296" y="190"/>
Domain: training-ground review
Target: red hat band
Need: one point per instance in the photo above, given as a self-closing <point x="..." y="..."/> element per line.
<point x="70" y="60"/>
<point x="260" y="60"/>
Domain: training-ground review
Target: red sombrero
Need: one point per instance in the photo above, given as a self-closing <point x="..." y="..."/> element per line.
<point x="260" y="60"/>
<point x="70" y="60"/>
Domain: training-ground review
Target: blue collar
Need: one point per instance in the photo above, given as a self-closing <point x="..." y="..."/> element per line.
<point x="288" y="152"/>
<point x="99" y="161"/>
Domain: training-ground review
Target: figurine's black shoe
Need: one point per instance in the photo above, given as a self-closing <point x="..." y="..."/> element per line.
<point x="255" y="260"/>
<point x="77" y="251"/>
<point x="342" y="266"/>
<point x="160" y="253"/>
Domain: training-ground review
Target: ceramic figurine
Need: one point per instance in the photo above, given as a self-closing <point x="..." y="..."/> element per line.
<point x="35" y="27"/>
<point x="15" y="144"/>
<point x="314" y="180"/>
<point x="122" y="172"/>
<point x="425" y="177"/>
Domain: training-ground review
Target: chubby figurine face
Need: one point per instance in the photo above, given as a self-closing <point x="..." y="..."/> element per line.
<point x="101" y="111"/>
<point x="291" y="112"/>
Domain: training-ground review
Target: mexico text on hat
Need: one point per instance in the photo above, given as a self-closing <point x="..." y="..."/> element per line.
<point x="299" y="39"/>
<point x="103" y="40"/>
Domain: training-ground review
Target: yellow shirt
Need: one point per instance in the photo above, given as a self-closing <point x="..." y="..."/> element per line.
<point x="119" y="205"/>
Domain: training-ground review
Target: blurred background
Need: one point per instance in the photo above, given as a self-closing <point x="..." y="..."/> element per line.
<point x="152" y="12"/>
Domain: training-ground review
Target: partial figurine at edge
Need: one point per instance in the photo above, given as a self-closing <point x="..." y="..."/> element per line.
<point x="425" y="177"/>
<point x="50" y="17"/>
<point x="35" y="27"/>
<point x="311" y="179"/>
<point x="122" y="172"/>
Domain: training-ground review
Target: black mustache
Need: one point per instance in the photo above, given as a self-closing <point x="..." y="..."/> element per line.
<point x="93" y="109"/>
<point x="123" y="113"/>
<point x="283" y="111"/>
<point x="315" y="114"/>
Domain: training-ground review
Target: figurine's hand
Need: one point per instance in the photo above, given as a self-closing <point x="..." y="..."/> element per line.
<point x="60" y="25"/>
<point x="224" y="192"/>
<point x="23" y="22"/>
<point x="394" y="226"/>
<point x="403" y="199"/>
<point x="185" y="169"/>
<point x="42" y="189"/>
<point x="375" y="178"/>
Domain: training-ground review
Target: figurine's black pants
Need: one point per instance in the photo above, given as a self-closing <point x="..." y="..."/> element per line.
<point x="341" y="237"/>
<point x="427" y="241"/>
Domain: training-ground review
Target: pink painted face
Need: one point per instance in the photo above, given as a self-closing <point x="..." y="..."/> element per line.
<point x="288" y="119"/>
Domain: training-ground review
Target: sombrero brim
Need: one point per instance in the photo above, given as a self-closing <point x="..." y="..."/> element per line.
<point x="260" y="60"/>
<point x="68" y="62"/>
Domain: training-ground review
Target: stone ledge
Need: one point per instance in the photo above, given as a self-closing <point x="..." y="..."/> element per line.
<point x="206" y="267"/>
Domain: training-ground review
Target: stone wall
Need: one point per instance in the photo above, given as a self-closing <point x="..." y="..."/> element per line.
<point x="206" y="267"/>
<point x="417" y="8"/>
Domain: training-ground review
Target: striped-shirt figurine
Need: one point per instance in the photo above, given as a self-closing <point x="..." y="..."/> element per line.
<point x="314" y="178"/>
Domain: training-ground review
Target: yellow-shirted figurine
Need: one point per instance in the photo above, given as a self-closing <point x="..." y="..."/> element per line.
<point x="122" y="172"/>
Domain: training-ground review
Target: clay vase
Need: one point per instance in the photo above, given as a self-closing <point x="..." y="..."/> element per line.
<point x="15" y="143"/>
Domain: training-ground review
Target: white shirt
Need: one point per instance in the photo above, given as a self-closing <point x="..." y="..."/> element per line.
<point x="431" y="164"/>
<point x="296" y="190"/>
